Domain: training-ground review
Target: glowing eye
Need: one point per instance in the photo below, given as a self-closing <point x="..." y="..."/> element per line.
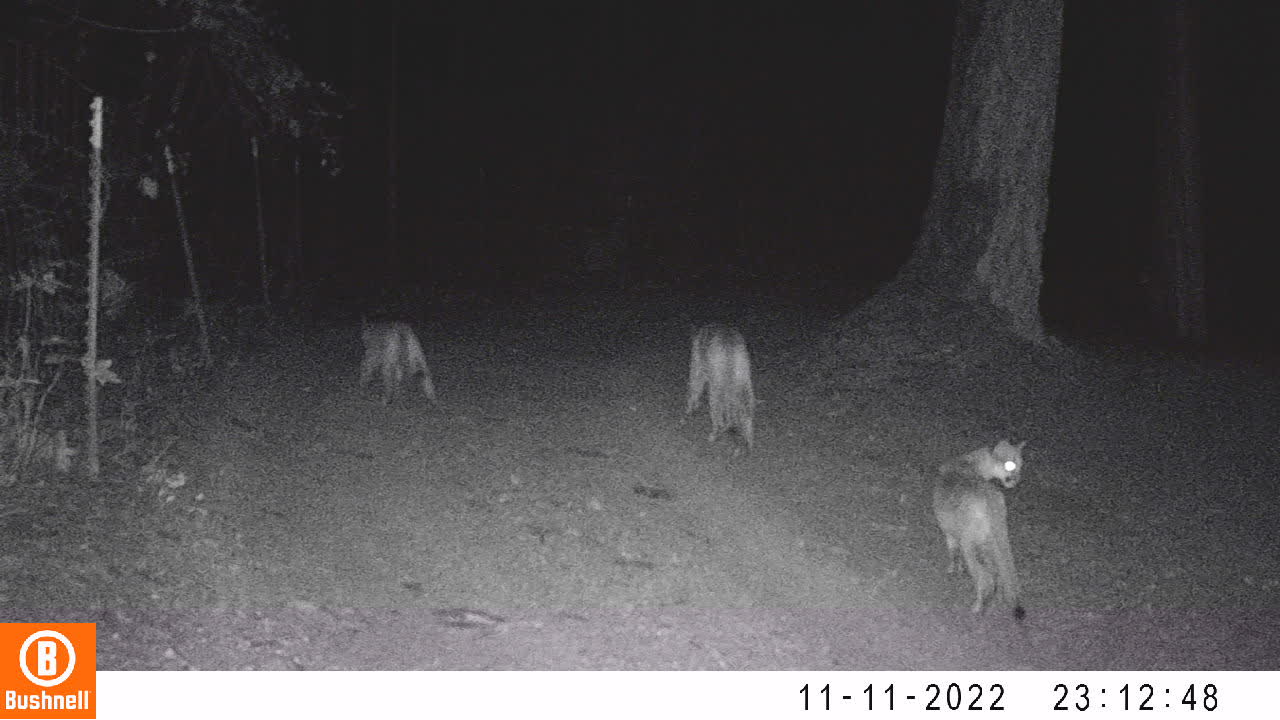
<point x="1010" y="466"/>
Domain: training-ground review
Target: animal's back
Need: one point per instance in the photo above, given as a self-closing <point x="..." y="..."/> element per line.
<point x="968" y="507"/>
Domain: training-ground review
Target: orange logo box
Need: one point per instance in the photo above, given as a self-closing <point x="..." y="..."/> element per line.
<point x="48" y="670"/>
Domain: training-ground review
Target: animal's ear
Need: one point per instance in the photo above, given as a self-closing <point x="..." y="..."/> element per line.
<point x="1021" y="445"/>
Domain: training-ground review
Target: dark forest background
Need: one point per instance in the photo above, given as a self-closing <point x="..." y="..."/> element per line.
<point x="784" y="147"/>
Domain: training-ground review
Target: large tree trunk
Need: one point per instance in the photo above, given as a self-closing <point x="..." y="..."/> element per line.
<point x="981" y="236"/>
<point x="1177" y="273"/>
<point x="395" y="268"/>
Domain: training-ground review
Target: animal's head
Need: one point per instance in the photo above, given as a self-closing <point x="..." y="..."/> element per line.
<point x="1006" y="465"/>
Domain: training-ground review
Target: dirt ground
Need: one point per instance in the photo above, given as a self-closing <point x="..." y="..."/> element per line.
<point x="553" y="511"/>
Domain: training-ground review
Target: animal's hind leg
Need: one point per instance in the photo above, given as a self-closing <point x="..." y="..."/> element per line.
<point x="746" y="426"/>
<point x="392" y="371"/>
<point x="697" y="379"/>
<point x="715" y="398"/>
<point x="983" y="582"/>
<point x="953" y="556"/>
<point x="367" y="367"/>
<point x="428" y="387"/>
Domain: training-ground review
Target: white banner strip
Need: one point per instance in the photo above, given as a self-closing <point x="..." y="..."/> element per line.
<point x="663" y="695"/>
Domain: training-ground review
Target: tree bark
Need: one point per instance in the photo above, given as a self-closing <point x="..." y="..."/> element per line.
<point x="982" y="230"/>
<point x="1177" y="276"/>
<point x="396" y="267"/>
<point x="90" y="360"/>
